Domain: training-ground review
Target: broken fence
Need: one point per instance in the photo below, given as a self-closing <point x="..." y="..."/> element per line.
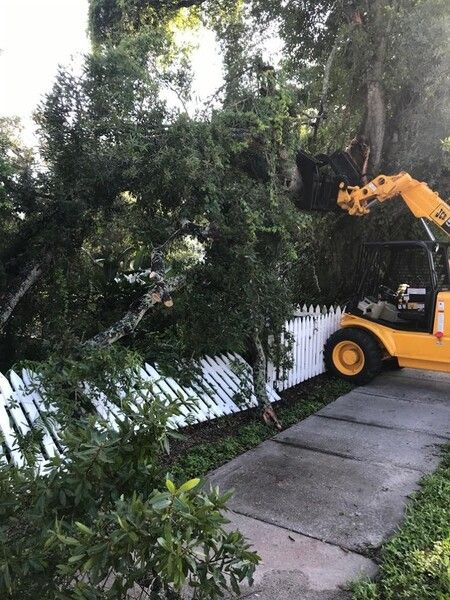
<point x="222" y="386"/>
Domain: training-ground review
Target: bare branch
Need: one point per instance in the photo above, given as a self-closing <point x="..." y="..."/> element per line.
<point x="28" y="277"/>
<point x="160" y="293"/>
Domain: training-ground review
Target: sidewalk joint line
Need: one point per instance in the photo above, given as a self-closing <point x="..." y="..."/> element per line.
<point x="308" y="535"/>
<point x="348" y="456"/>
<point x="401" y="377"/>
<point x="393" y="427"/>
<point x="370" y="393"/>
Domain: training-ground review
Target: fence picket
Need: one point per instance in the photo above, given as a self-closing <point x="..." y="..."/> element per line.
<point x="25" y="398"/>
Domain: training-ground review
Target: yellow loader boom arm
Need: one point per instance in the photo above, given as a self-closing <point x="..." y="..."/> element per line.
<point x="420" y="199"/>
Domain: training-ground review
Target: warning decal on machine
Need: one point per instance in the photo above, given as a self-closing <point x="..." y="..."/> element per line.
<point x="441" y="322"/>
<point x="441" y="215"/>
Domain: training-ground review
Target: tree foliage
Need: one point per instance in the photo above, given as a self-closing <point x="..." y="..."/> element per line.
<point x="121" y="169"/>
<point x="123" y="172"/>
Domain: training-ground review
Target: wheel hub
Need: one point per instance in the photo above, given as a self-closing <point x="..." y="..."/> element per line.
<point x="348" y="358"/>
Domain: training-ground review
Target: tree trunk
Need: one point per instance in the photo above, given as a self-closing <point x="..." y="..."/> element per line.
<point x="323" y="103"/>
<point x="28" y="277"/>
<point x="32" y="241"/>
<point x="259" y="365"/>
<point x="375" y="125"/>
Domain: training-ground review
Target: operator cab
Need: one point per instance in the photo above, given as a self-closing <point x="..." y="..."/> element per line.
<point x="399" y="281"/>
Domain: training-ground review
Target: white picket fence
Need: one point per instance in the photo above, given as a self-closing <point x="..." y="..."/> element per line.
<point x="308" y="329"/>
<point x="216" y="391"/>
<point x="224" y="385"/>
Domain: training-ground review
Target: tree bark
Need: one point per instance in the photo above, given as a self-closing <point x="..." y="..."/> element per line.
<point x="30" y="274"/>
<point x="375" y="125"/>
<point x="259" y="363"/>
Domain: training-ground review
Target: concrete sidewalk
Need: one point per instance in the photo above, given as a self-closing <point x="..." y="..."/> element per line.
<point x="318" y="499"/>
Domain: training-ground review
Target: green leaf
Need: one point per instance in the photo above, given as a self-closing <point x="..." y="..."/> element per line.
<point x="182" y="506"/>
<point x="164" y="544"/>
<point x="161" y="504"/>
<point x="171" y="486"/>
<point x="70" y="541"/>
<point x="6" y="576"/>
<point x="76" y="558"/>
<point x="84" y="528"/>
<point x="88" y="564"/>
<point x="134" y="536"/>
<point x="234" y="584"/>
<point x="189" y="485"/>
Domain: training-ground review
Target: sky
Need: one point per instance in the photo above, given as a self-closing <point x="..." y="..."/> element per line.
<point x="36" y="36"/>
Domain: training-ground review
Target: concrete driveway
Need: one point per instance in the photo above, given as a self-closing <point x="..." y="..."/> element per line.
<point x="318" y="499"/>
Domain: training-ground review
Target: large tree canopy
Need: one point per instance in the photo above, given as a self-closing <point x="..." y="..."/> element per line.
<point x="123" y="177"/>
<point x="149" y="228"/>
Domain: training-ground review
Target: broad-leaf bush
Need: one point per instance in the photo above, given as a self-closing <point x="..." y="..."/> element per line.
<point x="101" y="520"/>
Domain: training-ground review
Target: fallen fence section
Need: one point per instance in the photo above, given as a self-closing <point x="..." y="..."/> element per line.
<point x="308" y="330"/>
<point x="223" y="386"/>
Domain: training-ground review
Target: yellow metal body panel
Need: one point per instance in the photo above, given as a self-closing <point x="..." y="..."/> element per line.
<point x="414" y="349"/>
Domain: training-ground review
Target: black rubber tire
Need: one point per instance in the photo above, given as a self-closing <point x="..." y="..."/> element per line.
<point x="370" y="347"/>
<point x="391" y="364"/>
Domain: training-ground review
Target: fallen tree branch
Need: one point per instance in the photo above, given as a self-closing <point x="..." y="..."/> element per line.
<point x="160" y="293"/>
<point x="28" y="277"/>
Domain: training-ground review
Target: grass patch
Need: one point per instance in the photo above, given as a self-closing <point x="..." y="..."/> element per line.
<point x="415" y="563"/>
<point x="207" y="446"/>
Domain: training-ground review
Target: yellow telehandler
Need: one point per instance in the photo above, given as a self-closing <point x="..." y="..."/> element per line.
<point x="401" y="307"/>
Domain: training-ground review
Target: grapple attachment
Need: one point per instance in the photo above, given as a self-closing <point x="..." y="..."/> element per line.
<point x="321" y="176"/>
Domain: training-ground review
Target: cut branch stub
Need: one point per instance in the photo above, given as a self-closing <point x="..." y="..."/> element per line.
<point x="128" y="323"/>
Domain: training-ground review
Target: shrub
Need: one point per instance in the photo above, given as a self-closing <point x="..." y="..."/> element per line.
<point x="101" y="520"/>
